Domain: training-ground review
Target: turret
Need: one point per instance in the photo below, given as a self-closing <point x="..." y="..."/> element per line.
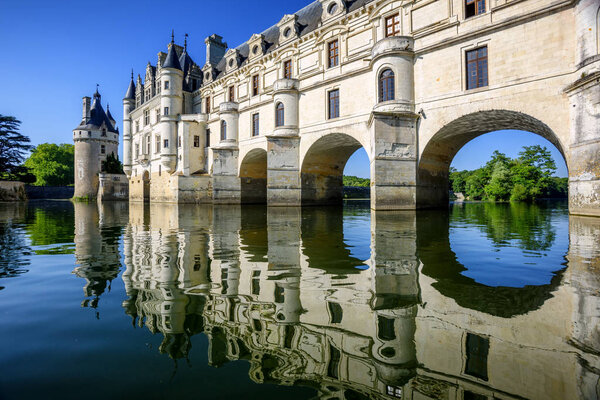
<point x="95" y="138"/>
<point x="128" y="107"/>
<point x="171" y="77"/>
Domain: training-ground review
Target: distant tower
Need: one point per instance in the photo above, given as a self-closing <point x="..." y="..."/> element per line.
<point x="95" y="138"/>
<point x="128" y="107"/>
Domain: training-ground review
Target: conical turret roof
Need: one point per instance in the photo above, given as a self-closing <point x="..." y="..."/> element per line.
<point x="131" y="89"/>
<point x="171" y="61"/>
<point x="98" y="118"/>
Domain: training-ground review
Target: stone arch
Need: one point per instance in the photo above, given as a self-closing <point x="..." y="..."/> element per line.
<point x="253" y="177"/>
<point x="322" y="167"/>
<point x="438" y="153"/>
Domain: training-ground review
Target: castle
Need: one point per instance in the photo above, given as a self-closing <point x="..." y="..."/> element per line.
<point x="275" y="119"/>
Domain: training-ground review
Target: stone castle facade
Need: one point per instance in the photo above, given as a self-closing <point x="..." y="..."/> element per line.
<point x="275" y="119"/>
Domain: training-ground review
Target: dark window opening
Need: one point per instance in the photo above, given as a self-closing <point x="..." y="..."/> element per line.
<point x="255" y="124"/>
<point x="290" y="331"/>
<point x="473" y="396"/>
<point x="255" y="85"/>
<point x="385" y="328"/>
<point x="477" y="68"/>
<point x="334" y="362"/>
<point x="255" y="286"/>
<point x="335" y="312"/>
<point x="208" y="138"/>
<point x="279" y="294"/>
<point x="279" y="115"/>
<point x="231" y="93"/>
<point x="386" y="86"/>
<point x="474" y="7"/>
<point x="196" y="141"/>
<point x="207" y="105"/>
<point x="166" y="143"/>
<point x="103" y="149"/>
<point x="334" y="54"/>
<point x="477" y="348"/>
<point x="287" y="69"/>
<point x="334" y="104"/>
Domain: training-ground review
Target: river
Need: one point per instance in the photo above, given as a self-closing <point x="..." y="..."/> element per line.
<point x="128" y="301"/>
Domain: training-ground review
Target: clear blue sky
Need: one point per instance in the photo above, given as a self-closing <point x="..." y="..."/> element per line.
<point x="56" y="52"/>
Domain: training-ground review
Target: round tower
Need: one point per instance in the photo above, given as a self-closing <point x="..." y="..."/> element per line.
<point x="95" y="138"/>
<point x="128" y="107"/>
<point x="171" y="100"/>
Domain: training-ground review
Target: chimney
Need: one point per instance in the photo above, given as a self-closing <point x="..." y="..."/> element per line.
<point x="215" y="49"/>
<point x="86" y="109"/>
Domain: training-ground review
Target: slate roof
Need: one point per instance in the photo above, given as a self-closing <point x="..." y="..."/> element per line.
<point x="309" y="19"/>
<point x="131" y="90"/>
<point x="171" y="61"/>
<point x="98" y="118"/>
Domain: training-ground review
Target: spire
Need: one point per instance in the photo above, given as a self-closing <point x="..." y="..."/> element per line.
<point x="171" y="61"/>
<point x="97" y="94"/>
<point x="185" y="43"/>
<point x="131" y="90"/>
<point x="172" y="36"/>
<point x="108" y="114"/>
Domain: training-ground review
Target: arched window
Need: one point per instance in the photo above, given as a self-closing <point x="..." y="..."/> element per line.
<point x="386" y="86"/>
<point x="223" y="130"/>
<point x="279" y="115"/>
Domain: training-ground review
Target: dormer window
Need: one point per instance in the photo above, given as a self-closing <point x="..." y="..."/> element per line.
<point x="255" y="49"/>
<point x="256" y="44"/>
<point x="287" y="32"/>
<point x="332" y="9"/>
<point x="288" y="28"/>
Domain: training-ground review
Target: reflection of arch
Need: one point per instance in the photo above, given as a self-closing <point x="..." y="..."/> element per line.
<point x="323" y="168"/>
<point x="435" y="160"/>
<point x="253" y="177"/>
<point x="440" y="263"/>
<point x="146" y="180"/>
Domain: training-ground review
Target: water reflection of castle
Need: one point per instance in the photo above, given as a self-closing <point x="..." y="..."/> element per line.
<point x="281" y="290"/>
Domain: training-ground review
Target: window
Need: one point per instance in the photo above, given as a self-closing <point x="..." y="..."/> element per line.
<point x="287" y="69"/>
<point x="474" y="7"/>
<point x="477" y="348"/>
<point x="137" y="149"/>
<point x="477" y="68"/>
<point x="148" y="144"/>
<point x="335" y="312"/>
<point x="223" y="130"/>
<point x="166" y="143"/>
<point x="103" y="149"/>
<point x="146" y="117"/>
<point x="194" y="85"/>
<point x="166" y="85"/>
<point x="166" y="110"/>
<point x="207" y="105"/>
<point x="103" y="131"/>
<point x="157" y="144"/>
<point x="178" y="141"/>
<point x="157" y="86"/>
<point x="148" y="94"/>
<point x="157" y="115"/>
<point x="231" y="93"/>
<point x="255" y="85"/>
<point x="386" y="86"/>
<point x="392" y="25"/>
<point x="196" y="141"/>
<point x="334" y="104"/>
<point x="137" y="126"/>
<point x="279" y="115"/>
<point x="385" y="328"/>
<point x="208" y="138"/>
<point x="255" y="124"/>
<point x="334" y="56"/>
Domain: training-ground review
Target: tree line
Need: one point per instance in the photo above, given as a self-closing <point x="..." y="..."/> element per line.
<point x="48" y="164"/>
<point x="525" y="178"/>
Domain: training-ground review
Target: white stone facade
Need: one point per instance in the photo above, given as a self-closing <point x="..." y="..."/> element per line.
<point x="541" y="75"/>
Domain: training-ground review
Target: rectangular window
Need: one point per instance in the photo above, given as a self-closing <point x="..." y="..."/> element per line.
<point x="334" y="104"/>
<point x="208" y="138"/>
<point x="166" y="85"/>
<point x="137" y="149"/>
<point x="477" y="349"/>
<point x="231" y="93"/>
<point x="392" y="25"/>
<point x="207" y="105"/>
<point x="146" y="117"/>
<point x="103" y="149"/>
<point x="148" y="144"/>
<point x="474" y="7"/>
<point x="157" y="144"/>
<point x="334" y="56"/>
<point x="157" y="115"/>
<point x="287" y="69"/>
<point x="148" y="93"/>
<point x="166" y="110"/>
<point x="477" y="68"/>
<point x="166" y="143"/>
<point x="137" y="126"/>
<point x="178" y="141"/>
<point x="255" y="124"/>
<point x="255" y="85"/>
<point x="157" y="87"/>
<point x="196" y="141"/>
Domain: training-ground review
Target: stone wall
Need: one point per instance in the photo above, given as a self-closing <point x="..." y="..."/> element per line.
<point x="12" y="191"/>
<point x="49" y="192"/>
<point x="113" y="187"/>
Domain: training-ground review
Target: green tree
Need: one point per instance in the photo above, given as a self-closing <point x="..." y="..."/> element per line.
<point x="13" y="147"/>
<point x="532" y="170"/>
<point x="475" y="184"/>
<point x="52" y="164"/>
<point x="499" y="186"/>
<point x="458" y="181"/>
<point x="112" y="165"/>
<point x="356" y="181"/>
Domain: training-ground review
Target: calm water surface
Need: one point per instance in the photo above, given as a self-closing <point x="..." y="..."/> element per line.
<point x="122" y="301"/>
